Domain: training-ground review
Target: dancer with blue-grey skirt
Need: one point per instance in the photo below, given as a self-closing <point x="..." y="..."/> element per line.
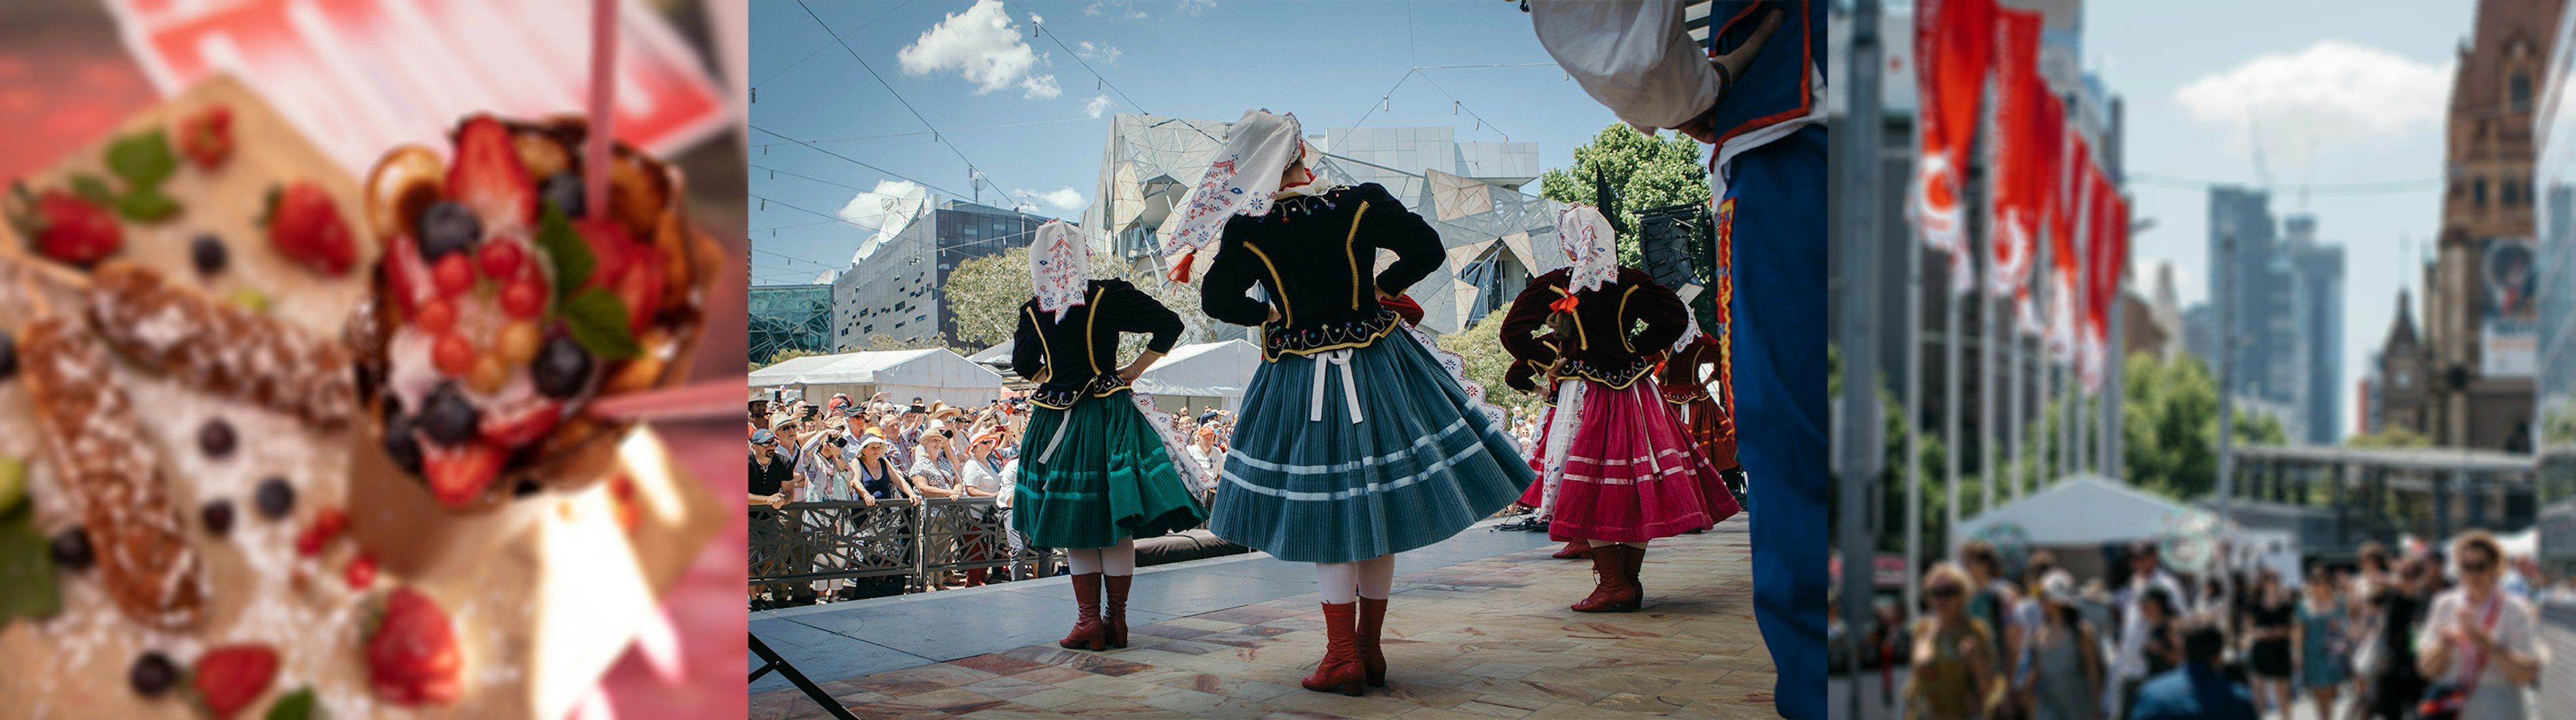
<point x="1358" y="438"/>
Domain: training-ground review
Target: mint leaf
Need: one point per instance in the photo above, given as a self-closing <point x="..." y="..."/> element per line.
<point x="597" y="320"/>
<point x="143" y="159"/>
<point x="94" y="189"/>
<point x="26" y="569"/>
<point x="571" y="254"/>
<point x="146" y="204"/>
<point x="296" y="705"/>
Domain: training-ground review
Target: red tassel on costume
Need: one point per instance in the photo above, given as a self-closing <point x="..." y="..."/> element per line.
<point x="1564" y="304"/>
<point x="1181" y="270"/>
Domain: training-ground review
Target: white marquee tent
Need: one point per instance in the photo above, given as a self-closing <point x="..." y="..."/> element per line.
<point x="1202" y="376"/>
<point x="935" y="374"/>
<point x="2082" y="510"/>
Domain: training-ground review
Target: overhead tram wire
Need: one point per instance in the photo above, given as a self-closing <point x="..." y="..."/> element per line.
<point x="1385" y="99"/>
<point x="855" y="161"/>
<point x="1041" y="28"/>
<point x="835" y="37"/>
<point x="971" y="172"/>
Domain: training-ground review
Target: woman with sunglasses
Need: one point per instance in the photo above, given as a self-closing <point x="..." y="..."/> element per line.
<point x="1954" y="674"/>
<point x="1096" y="466"/>
<point x="2478" y="640"/>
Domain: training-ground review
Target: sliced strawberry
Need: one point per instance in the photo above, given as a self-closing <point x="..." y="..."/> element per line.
<point x="412" y="659"/>
<point x="73" y="230"/>
<point x="406" y="276"/>
<point x="522" y="423"/>
<point x="488" y="176"/>
<point x="230" y="677"/>
<point x="207" y="137"/>
<point x="610" y="251"/>
<point x="457" y="474"/>
<point x="641" y="287"/>
<point x="306" y="227"/>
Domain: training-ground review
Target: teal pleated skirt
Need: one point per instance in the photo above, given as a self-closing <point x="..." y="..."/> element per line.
<point x="1109" y="478"/>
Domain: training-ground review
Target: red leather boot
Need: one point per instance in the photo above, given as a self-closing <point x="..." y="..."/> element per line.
<point x="1088" y="632"/>
<point x="1611" y="591"/>
<point x="1632" y="561"/>
<point x="1364" y="636"/>
<point x="975" y="577"/>
<point x="1573" y="549"/>
<point x="1116" y="619"/>
<point x="1341" y="667"/>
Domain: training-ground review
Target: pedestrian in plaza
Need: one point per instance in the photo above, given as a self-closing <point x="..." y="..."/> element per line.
<point x="1954" y="676"/>
<point x="2478" y="642"/>
<point x="1095" y="470"/>
<point x="2066" y="669"/>
<point x="2131" y="667"/>
<point x="2271" y="619"/>
<point x="2323" y="639"/>
<point x="2388" y="663"/>
<point x="2199" y="690"/>
<point x="1628" y="471"/>
<point x="1357" y="439"/>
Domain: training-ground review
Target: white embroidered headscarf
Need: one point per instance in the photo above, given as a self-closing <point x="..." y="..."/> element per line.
<point x="1591" y="247"/>
<point x="1059" y="267"/>
<point x="1243" y="179"/>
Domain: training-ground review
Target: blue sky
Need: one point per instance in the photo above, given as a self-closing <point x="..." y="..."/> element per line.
<point x="1328" y="62"/>
<point x="2344" y="92"/>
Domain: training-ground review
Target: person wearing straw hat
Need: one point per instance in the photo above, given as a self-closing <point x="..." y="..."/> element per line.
<point x="2065" y="664"/>
<point x="1619" y="469"/>
<point x="1096" y="469"/>
<point x="1356" y="439"/>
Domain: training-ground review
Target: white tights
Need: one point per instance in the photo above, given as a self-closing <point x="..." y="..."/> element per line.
<point x="1347" y="582"/>
<point x="1119" y="559"/>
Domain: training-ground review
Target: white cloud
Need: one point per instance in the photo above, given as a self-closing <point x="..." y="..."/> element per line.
<point x="889" y="208"/>
<point x="1065" y="198"/>
<point x="1121" y="8"/>
<point x="2332" y="91"/>
<point x="985" y="48"/>
<point x="1098" y="104"/>
<point x="1102" y="53"/>
<point x="1036" y="19"/>
<point x="1194" y="7"/>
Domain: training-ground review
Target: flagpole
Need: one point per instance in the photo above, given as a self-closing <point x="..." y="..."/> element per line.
<point x="1913" y="409"/>
<point x="1950" y="411"/>
<point x="2114" y="361"/>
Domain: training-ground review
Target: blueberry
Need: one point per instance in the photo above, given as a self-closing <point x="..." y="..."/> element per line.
<point x="562" y="367"/>
<point x="209" y="254"/>
<point x="8" y="356"/>
<point x="447" y="226"/>
<point x="446" y="416"/>
<point x="217" y="439"/>
<point x="152" y="674"/>
<point x="564" y="189"/>
<point x="275" y="497"/>
<point x="218" y="515"/>
<point x="71" y="548"/>
<point x="400" y="444"/>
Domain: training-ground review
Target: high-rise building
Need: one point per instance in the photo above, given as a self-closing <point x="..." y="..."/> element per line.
<point x="2319" y="303"/>
<point x="2286" y="302"/>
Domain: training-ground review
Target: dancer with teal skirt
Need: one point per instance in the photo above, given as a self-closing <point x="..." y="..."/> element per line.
<point x="1358" y="440"/>
<point x="1096" y="468"/>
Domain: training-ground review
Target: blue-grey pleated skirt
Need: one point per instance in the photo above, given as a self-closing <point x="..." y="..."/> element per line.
<point x="1423" y="464"/>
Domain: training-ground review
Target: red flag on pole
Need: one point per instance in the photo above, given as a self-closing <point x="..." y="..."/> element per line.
<point x="2065" y="210"/>
<point x="1951" y="46"/>
<point x="2020" y="171"/>
<point x="2099" y="276"/>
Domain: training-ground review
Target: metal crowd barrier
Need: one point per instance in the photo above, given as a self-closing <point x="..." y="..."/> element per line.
<point x="808" y="541"/>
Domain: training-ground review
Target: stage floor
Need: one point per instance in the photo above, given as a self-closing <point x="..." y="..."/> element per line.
<point x="1477" y="628"/>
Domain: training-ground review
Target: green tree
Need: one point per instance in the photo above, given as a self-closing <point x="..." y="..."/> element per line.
<point x="1644" y="172"/>
<point x="1481" y="345"/>
<point x="2169" y="426"/>
<point x="984" y="296"/>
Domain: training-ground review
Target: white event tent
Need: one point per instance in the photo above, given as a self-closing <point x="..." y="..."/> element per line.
<point x="935" y="374"/>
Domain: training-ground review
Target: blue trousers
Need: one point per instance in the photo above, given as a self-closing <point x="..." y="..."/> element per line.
<point x="1778" y="234"/>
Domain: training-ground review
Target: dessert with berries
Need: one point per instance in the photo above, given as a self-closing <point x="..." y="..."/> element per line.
<point x="504" y="304"/>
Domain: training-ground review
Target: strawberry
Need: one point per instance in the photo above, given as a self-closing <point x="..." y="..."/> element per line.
<point x="69" y="228"/>
<point x="641" y="287"/>
<point x="232" y="676"/>
<point x="522" y="423"/>
<point x="306" y="227"/>
<point x="458" y="473"/>
<point x="610" y="251"/>
<point x="207" y="137"/>
<point x="488" y="176"/>
<point x="412" y="658"/>
<point x="407" y="278"/>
